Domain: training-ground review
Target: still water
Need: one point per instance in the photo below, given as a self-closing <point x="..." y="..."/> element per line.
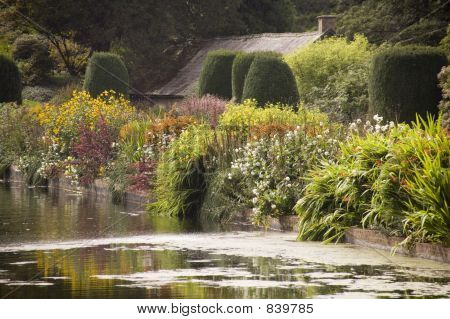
<point x="59" y="245"/>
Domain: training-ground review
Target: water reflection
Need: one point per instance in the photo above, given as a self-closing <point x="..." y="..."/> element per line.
<point x="57" y="245"/>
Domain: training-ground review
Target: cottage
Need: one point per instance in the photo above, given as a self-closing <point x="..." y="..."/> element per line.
<point x="184" y="82"/>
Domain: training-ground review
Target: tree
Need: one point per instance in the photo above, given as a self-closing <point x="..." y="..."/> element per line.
<point x="405" y="21"/>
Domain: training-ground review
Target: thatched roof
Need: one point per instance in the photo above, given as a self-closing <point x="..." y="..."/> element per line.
<point x="184" y="82"/>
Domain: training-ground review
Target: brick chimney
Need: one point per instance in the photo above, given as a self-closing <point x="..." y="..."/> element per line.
<point x="327" y="23"/>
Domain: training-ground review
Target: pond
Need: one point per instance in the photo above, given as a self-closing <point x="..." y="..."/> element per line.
<point x="60" y="245"/>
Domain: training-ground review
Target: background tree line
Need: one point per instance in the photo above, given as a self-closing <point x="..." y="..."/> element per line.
<point x="156" y="37"/>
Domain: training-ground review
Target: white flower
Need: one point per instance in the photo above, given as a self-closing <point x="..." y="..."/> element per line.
<point x="254" y="200"/>
<point x="255" y="191"/>
<point x="287" y="179"/>
<point x="391" y="124"/>
<point x="230" y="176"/>
<point x="358" y="121"/>
<point x="378" y="118"/>
<point x="273" y="206"/>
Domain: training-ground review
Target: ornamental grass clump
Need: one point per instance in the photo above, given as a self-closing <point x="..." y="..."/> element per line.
<point x="207" y="108"/>
<point x="180" y="182"/>
<point x="389" y="178"/>
<point x="140" y="145"/>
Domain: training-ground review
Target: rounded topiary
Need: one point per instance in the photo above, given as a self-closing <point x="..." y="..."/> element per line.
<point x="241" y="66"/>
<point x="403" y="82"/>
<point x="106" y="71"/>
<point x="270" y="80"/>
<point x="215" y="78"/>
<point x="10" y="81"/>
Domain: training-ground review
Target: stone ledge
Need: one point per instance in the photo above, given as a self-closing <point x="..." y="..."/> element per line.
<point x="375" y="239"/>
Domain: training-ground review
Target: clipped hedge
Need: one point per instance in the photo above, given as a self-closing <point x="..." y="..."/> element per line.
<point x="241" y="66"/>
<point x="10" y="81"/>
<point x="270" y="80"/>
<point x="403" y="82"/>
<point x="215" y="78"/>
<point x="106" y="71"/>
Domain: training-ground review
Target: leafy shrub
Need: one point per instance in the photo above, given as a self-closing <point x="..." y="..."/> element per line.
<point x="93" y="150"/>
<point x="180" y="181"/>
<point x="270" y="80"/>
<point x="444" y="105"/>
<point x="215" y="78"/>
<point x="270" y="169"/>
<point x="37" y="93"/>
<point x="20" y="136"/>
<point x="241" y="66"/>
<point x="403" y="82"/>
<point x="62" y="123"/>
<point x="207" y="108"/>
<point x="76" y="58"/>
<point x="333" y="74"/>
<point x="391" y="178"/>
<point x="10" y="82"/>
<point x="33" y="57"/>
<point x="106" y="72"/>
<point x="242" y="117"/>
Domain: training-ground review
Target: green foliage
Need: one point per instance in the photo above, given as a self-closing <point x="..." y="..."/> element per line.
<point x="270" y="80"/>
<point x="444" y="105"/>
<point x="333" y="73"/>
<point x="10" y="81"/>
<point x="406" y="21"/>
<point x="242" y="117"/>
<point x="180" y="180"/>
<point x="260" y="16"/>
<point x="20" y="138"/>
<point x="241" y="66"/>
<point x="445" y="43"/>
<point x="215" y="78"/>
<point x="105" y="72"/>
<point x="32" y="54"/>
<point x="395" y="179"/>
<point x="403" y="82"/>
